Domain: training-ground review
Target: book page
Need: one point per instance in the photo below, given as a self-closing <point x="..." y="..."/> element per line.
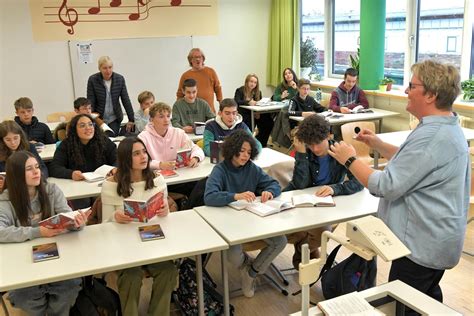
<point x="349" y="304"/>
<point x="104" y="170"/>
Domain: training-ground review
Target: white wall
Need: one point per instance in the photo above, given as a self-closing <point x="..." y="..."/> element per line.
<point x="42" y="71"/>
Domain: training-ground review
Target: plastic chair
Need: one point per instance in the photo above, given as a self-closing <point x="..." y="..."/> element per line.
<point x="60" y="117"/>
<point x="363" y="151"/>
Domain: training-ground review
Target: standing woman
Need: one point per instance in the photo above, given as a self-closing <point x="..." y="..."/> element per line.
<point x="12" y="139"/>
<point x="208" y="83"/>
<point x="288" y="88"/>
<point x="249" y="94"/>
<point x="104" y="90"/>
<point x="135" y="180"/>
<point x="28" y="200"/>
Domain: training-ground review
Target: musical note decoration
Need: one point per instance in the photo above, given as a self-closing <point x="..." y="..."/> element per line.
<point x="69" y="18"/>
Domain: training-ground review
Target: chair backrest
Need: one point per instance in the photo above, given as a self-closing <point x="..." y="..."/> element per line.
<point x="60" y="117"/>
<point x="349" y="132"/>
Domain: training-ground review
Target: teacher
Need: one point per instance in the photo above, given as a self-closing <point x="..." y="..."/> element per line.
<point x="104" y="90"/>
<point x="207" y="81"/>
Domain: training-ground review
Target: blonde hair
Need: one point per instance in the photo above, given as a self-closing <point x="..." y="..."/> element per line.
<point x="254" y="93"/>
<point x="145" y="95"/>
<point x="104" y="60"/>
<point x="23" y="103"/>
<point x="190" y="55"/>
<point x="159" y="107"/>
<point x="441" y="80"/>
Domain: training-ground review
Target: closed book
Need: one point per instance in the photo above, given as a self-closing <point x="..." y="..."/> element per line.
<point x="45" y="252"/>
<point x="310" y="200"/>
<point x="143" y="210"/>
<point x="215" y="148"/>
<point x="151" y="232"/>
<point x="168" y="173"/>
<point x="183" y="156"/>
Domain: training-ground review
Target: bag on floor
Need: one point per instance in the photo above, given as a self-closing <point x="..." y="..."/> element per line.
<point x="96" y="299"/>
<point x="186" y="296"/>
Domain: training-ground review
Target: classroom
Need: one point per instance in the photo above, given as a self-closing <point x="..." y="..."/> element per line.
<point x="244" y="37"/>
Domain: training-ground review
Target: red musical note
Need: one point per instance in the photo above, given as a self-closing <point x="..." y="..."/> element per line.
<point x="136" y="16"/>
<point x="175" y="3"/>
<point x="95" y="10"/>
<point x="70" y="21"/>
<point x="115" y="3"/>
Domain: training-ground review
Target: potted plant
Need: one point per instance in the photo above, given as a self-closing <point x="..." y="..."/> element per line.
<point x="355" y="61"/>
<point x="386" y="84"/>
<point x="308" y="54"/>
<point x="468" y="90"/>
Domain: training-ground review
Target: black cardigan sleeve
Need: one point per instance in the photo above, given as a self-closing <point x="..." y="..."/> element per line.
<point x="59" y="166"/>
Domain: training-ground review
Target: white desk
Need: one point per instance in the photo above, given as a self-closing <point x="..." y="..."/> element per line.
<point x="263" y="109"/>
<point x="377" y="115"/>
<point x="107" y="247"/>
<point x="81" y="189"/>
<point x="238" y="227"/>
<point x="47" y="153"/>
<point x="195" y="138"/>
<point x="402" y="293"/>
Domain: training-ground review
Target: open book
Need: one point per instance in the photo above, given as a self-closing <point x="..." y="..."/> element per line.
<point x="142" y="211"/>
<point x="361" y="109"/>
<point x="151" y="232"/>
<point x="330" y="114"/>
<point x="199" y="128"/>
<point x="310" y="200"/>
<point x="262" y="209"/>
<point x="349" y="304"/>
<point x="183" y="156"/>
<point x="98" y="174"/>
<point x="45" y="252"/>
<point x="63" y="220"/>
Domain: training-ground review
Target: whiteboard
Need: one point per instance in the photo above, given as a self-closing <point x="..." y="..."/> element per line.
<point x="153" y="64"/>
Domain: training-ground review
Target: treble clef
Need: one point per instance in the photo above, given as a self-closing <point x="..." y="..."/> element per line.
<point x="68" y="18"/>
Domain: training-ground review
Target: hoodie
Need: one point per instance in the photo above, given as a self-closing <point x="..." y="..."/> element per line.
<point x="36" y="131"/>
<point x="350" y="99"/>
<point x="217" y="130"/>
<point x="165" y="148"/>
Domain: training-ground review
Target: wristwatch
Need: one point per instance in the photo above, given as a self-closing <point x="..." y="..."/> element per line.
<point x="349" y="161"/>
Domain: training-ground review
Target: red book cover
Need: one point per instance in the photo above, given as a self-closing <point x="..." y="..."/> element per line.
<point x="59" y="221"/>
<point x="183" y="156"/>
<point x="142" y="211"/>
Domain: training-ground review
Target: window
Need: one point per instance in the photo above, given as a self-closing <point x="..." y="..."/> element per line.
<point x="394" y="40"/>
<point x="312" y="27"/>
<point x="451" y="44"/>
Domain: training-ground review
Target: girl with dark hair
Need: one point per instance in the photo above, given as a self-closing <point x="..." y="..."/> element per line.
<point x="12" y="139"/>
<point x="288" y="88"/>
<point x="135" y="180"/>
<point x="27" y="200"/>
<point x="83" y="150"/>
<point x="249" y="94"/>
<point x="238" y="178"/>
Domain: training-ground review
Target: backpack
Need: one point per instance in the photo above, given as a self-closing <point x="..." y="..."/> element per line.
<point x="96" y="299"/>
<point x="186" y="297"/>
<point x="352" y="274"/>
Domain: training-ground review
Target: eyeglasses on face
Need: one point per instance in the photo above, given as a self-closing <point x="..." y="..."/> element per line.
<point x="411" y="85"/>
<point x="85" y="125"/>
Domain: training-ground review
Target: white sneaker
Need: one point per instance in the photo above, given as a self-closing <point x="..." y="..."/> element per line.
<point x="248" y="283"/>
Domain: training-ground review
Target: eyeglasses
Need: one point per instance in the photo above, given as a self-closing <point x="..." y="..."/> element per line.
<point x="411" y="85"/>
<point x="85" y="125"/>
<point x="197" y="57"/>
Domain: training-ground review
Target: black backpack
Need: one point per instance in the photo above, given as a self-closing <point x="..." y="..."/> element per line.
<point x="186" y="297"/>
<point x="96" y="299"/>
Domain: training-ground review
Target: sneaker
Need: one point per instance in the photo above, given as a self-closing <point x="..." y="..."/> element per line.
<point x="248" y="283"/>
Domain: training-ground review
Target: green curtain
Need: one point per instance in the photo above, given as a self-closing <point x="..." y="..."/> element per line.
<point x="284" y="24"/>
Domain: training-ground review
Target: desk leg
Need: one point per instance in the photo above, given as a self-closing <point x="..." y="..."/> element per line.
<point x="225" y="282"/>
<point x="380" y="125"/>
<point x="199" y="285"/>
<point x="376" y="159"/>
<point x="252" y="117"/>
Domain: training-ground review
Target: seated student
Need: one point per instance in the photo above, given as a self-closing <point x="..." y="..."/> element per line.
<point x="238" y="178"/>
<point x="27" y="200"/>
<point x="190" y="109"/>
<point x="249" y="94"/>
<point x="226" y="122"/>
<point x="348" y="95"/>
<point x="287" y="89"/>
<point x="303" y="104"/>
<point x="162" y="140"/>
<point x="12" y="139"/>
<point x="83" y="106"/>
<point x="142" y="115"/>
<point x="135" y="180"/>
<point x="34" y="129"/>
<point x="85" y="149"/>
<point x="315" y="167"/>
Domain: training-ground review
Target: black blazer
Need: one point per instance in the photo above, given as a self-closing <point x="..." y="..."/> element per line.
<point x="96" y="93"/>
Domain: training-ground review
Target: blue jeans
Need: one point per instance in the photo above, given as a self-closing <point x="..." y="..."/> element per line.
<point x="54" y="299"/>
<point x="264" y="258"/>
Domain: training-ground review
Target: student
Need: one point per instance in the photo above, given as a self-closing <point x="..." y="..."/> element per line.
<point x="163" y="140"/>
<point x="287" y="89"/>
<point x="303" y="104"/>
<point x="12" y="139"/>
<point x="249" y="94"/>
<point x="142" y="115"/>
<point x="238" y="178"/>
<point x="190" y="108"/>
<point x="315" y="167"/>
<point x="28" y="200"/>
<point x="348" y="95"/>
<point x="83" y="106"/>
<point x="226" y="122"/>
<point x="135" y="180"/>
<point x="34" y="129"/>
<point x="85" y="149"/>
